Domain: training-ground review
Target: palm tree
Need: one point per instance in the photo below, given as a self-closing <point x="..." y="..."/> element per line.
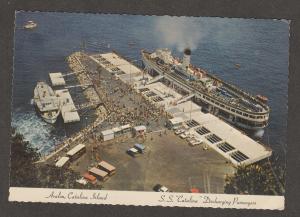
<point x="255" y="179"/>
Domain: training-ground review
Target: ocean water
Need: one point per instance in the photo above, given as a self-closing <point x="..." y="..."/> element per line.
<point x="259" y="46"/>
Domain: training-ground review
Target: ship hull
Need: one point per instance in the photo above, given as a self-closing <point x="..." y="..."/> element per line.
<point x="253" y="131"/>
<point x="51" y="120"/>
<point x="45" y="118"/>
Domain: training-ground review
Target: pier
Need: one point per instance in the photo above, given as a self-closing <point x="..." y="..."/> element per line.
<point x="68" y="109"/>
<point x="127" y="96"/>
<point x="219" y="135"/>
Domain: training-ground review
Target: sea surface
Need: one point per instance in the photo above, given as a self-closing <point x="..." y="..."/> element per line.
<point x="259" y="46"/>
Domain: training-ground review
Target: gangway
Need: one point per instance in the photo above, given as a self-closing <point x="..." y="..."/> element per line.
<point x="57" y="78"/>
<point x="72" y="73"/>
<point x="157" y="78"/>
<point x="185" y="98"/>
<point x="78" y="85"/>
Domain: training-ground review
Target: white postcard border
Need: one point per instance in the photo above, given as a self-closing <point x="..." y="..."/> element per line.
<point x="136" y="198"/>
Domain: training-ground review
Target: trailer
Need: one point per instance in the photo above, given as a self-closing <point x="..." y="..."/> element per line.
<point x="99" y="174"/>
<point x="62" y="162"/>
<point x="90" y="178"/>
<point x="107" y="135"/>
<point x="76" y="152"/>
<point x="110" y="169"/>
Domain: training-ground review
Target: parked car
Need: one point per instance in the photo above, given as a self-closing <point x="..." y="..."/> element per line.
<point x="140" y="147"/>
<point x="133" y="152"/>
<point x="179" y="131"/>
<point x="190" y="139"/>
<point x="82" y="181"/>
<point x="160" y="188"/>
<point x="90" y="178"/>
<point x="194" y="190"/>
<point x="194" y="142"/>
<point x="183" y="135"/>
<point x="205" y="146"/>
<point x="176" y="128"/>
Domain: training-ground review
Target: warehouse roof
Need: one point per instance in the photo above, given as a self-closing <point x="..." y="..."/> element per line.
<point x="222" y="137"/>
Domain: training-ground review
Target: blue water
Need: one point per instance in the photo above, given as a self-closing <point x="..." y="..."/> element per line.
<point x="259" y="46"/>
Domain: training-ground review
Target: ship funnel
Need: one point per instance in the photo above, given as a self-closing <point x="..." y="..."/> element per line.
<point x="186" y="58"/>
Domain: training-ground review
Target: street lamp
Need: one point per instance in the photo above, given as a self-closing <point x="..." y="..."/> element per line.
<point x="86" y="121"/>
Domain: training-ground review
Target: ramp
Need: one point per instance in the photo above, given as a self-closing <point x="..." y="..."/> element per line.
<point x="185" y="98"/>
<point x="157" y="78"/>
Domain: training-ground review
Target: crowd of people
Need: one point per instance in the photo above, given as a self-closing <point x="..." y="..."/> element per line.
<point x="121" y="103"/>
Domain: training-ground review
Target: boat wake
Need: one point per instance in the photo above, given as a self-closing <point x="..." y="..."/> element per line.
<point x="38" y="133"/>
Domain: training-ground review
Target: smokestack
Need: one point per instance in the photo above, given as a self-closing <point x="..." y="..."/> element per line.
<point x="186" y="58"/>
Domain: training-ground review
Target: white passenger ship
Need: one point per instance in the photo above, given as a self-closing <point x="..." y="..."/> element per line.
<point x="46" y="102"/>
<point x="214" y="95"/>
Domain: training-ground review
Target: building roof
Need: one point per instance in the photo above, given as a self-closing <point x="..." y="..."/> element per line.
<point x="140" y="128"/>
<point x="125" y="126"/>
<point x="167" y="95"/>
<point x="70" y="117"/>
<point x="106" y="165"/>
<point x="89" y="177"/>
<point x="57" y="79"/>
<point x="176" y="120"/>
<point x="75" y="149"/>
<point x="121" y="63"/>
<point x="116" y="129"/>
<point x="98" y="172"/>
<point x="68" y="109"/>
<point x="223" y="132"/>
<point x="107" y="132"/>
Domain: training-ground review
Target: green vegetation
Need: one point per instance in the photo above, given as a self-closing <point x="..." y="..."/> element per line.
<point x="265" y="178"/>
<point x="26" y="173"/>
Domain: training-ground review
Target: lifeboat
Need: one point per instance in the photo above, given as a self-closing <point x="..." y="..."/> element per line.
<point x="263" y="99"/>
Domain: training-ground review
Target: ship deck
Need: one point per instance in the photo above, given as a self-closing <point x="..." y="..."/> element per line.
<point x="45" y="98"/>
<point x="237" y="98"/>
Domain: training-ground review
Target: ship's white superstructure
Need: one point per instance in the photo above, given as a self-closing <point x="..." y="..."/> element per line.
<point x="214" y="95"/>
<point x="47" y="103"/>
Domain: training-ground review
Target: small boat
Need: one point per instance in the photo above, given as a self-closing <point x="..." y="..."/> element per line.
<point x="46" y="102"/>
<point x="237" y="66"/>
<point x="30" y="25"/>
<point x="263" y="99"/>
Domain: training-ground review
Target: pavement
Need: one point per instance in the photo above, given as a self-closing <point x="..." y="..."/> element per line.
<point x="168" y="160"/>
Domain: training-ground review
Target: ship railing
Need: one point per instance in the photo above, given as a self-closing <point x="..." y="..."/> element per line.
<point x="220" y="100"/>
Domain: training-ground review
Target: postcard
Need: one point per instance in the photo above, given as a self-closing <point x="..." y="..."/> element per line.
<point x="149" y="110"/>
